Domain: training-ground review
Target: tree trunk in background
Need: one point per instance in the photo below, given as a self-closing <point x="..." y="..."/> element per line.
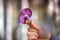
<point x="24" y="4"/>
<point x="1" y="20"/>
<point x="9" y="20"/>
<point x="14" y="20"/>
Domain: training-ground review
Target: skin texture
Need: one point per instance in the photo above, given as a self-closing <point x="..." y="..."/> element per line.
<point x="36" y="32"/>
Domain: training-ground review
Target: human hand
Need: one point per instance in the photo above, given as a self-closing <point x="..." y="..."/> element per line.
<point x="36" y="32"/>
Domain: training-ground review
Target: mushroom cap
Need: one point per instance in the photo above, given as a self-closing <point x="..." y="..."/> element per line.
<point x="25" y="14"/>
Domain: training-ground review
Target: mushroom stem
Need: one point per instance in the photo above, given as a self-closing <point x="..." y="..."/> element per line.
<point x="28" y="22"/>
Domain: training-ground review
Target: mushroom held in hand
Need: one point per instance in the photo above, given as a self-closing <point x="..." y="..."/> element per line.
<point x="25" y="14"/>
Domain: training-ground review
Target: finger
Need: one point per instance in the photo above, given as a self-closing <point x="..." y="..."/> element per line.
<point x="32" y="30"/>
<point x="33" y="33"/>
<point x="43" y="39"/>
<point x="32" y="37"/>
<point x="35" y="26"/>
<point x="32" y="24"/>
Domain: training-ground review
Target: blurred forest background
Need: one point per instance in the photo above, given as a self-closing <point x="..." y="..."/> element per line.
<point x="46" y="13"/>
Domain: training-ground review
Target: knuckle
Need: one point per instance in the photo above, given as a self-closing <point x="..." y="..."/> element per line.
<point x="32" y="33"/>
<point x="33" y="30"/>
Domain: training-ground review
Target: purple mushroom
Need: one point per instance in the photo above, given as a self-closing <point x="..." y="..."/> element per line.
<point x="25" y="14"/>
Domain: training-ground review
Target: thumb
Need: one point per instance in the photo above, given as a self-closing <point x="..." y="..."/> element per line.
<point x="33" y="25"/>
